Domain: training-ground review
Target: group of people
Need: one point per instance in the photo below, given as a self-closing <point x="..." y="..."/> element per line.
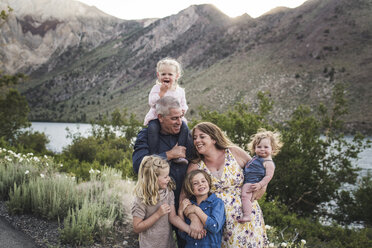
<point x="198" y="184"/>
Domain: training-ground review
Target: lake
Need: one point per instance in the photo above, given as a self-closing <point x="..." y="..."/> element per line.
<point x="56" y="132"/>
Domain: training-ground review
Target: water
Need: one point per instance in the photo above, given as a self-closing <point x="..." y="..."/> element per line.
<point x="57" y="133"/>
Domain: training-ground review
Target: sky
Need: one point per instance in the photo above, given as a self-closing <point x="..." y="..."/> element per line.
<point x="140" y="9"/>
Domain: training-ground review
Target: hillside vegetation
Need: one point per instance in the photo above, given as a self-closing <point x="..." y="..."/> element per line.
<point x="295" y="54"/>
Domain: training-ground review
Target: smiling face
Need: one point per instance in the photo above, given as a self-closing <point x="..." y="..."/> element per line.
<point x="264" y="149"/>
<point x="163" y="178"/>
<point x="200" y="186"/>
<point x="202" y="141"/>
<point x="171" y="123"/>
<point x="167" y="74"/>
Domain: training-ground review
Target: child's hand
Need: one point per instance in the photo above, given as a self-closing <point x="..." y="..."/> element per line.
<point x="164" y="88"/>
<point x="164" y="209"/>
<point x="256" y="186"/>
<point x="186" y="202"/>
<point x="189" y="210"/>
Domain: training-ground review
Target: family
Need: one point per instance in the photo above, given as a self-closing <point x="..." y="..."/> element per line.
<point x="198" y="184"/>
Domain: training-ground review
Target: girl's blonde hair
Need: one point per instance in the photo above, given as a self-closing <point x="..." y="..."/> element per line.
<point x="147" y="187"/>
<point x="187" y="183"/>
<point x="175" y="63"/>
<point x="275" y="140"/>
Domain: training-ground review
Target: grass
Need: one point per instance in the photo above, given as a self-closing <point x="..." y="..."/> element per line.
<point x="88" y="210"/>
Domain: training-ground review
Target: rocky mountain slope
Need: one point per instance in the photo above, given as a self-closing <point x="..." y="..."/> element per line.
<point x="297" y="55"/>
<point x="37" y="30"/>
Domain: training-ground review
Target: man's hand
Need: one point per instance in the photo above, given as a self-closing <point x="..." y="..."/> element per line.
<point x="176" y="152"/>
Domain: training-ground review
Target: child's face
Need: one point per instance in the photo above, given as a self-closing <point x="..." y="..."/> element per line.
<point x="167" y="74"/>
<point x="163" y="178"/>
<point x="200" y="186"/>
<point x="264" y="149"/>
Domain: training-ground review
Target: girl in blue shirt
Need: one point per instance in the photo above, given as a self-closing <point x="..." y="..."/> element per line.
<point x="206" y="205"/>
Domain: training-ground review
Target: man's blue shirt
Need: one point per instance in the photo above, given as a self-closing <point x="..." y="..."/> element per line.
<point x="215" y="209"/>
<point x="166" y="143"/>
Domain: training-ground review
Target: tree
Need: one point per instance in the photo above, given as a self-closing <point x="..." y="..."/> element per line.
<point x="240" y="122"/>
<point x="13" y="114"/>
<point x="316" y="159"/>
<point x="355" y="205"/>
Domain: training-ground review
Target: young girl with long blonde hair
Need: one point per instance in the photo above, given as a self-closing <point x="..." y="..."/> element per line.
<point x="153" y="209"/>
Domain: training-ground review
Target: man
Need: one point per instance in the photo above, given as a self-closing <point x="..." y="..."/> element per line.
<point x="170" y="118"/>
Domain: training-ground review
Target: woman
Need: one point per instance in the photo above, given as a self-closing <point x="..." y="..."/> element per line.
<point x="224" y="161"/>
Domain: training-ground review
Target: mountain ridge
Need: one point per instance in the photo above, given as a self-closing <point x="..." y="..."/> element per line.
<point x="297" y="55"/>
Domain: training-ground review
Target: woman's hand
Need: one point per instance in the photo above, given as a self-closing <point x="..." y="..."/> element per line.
<point x="258" y="193"/>
<point x="256" y="186"/>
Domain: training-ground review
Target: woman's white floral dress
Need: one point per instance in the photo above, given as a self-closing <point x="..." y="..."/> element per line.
<point x="228" y="188"/>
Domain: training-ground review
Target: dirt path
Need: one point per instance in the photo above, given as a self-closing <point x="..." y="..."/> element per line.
<point x="11" y="238"/>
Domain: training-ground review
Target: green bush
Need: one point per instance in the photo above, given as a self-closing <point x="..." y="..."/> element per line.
<point x="110" y="144"/>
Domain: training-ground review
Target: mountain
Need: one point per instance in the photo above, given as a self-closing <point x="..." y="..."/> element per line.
<point x="36" y="30"/>
<point x="297" y="55"/>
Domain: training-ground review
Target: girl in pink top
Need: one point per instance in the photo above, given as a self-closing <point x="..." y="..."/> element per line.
<point x="168" y="72"/>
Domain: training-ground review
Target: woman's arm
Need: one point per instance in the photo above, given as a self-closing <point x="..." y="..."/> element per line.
<point x="141" y="225"/>
<point x="241" y="156"/>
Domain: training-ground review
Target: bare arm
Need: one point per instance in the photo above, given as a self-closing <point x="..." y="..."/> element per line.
<point x="176" y="221"/>
<point x="269" y="165"/>
<point x="198" y="212"/>
<point x="197" y="230"/>
<point x="242" y="157"/>
<point x="141" y="225"/>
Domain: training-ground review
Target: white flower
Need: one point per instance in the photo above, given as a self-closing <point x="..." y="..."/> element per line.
<point x="91" y="171"/>
<point x="271" y="245"/>
<point x="47" y="164"/>
<point x="303" y="241"/>
<point x="42" y="175"/>
<point x="21" y="159"/>
<point x="36" y="159"/>
<point x="45" y="156"/>
<point x="26" y="172"/>
<point x="61" y="165"/>
<point x="267" y="227"/>
<point x="284" y="244"/>
<point x="98" y="171"/>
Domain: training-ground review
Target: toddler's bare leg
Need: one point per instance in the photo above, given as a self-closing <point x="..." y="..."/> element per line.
<point x="246" y="202"/>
